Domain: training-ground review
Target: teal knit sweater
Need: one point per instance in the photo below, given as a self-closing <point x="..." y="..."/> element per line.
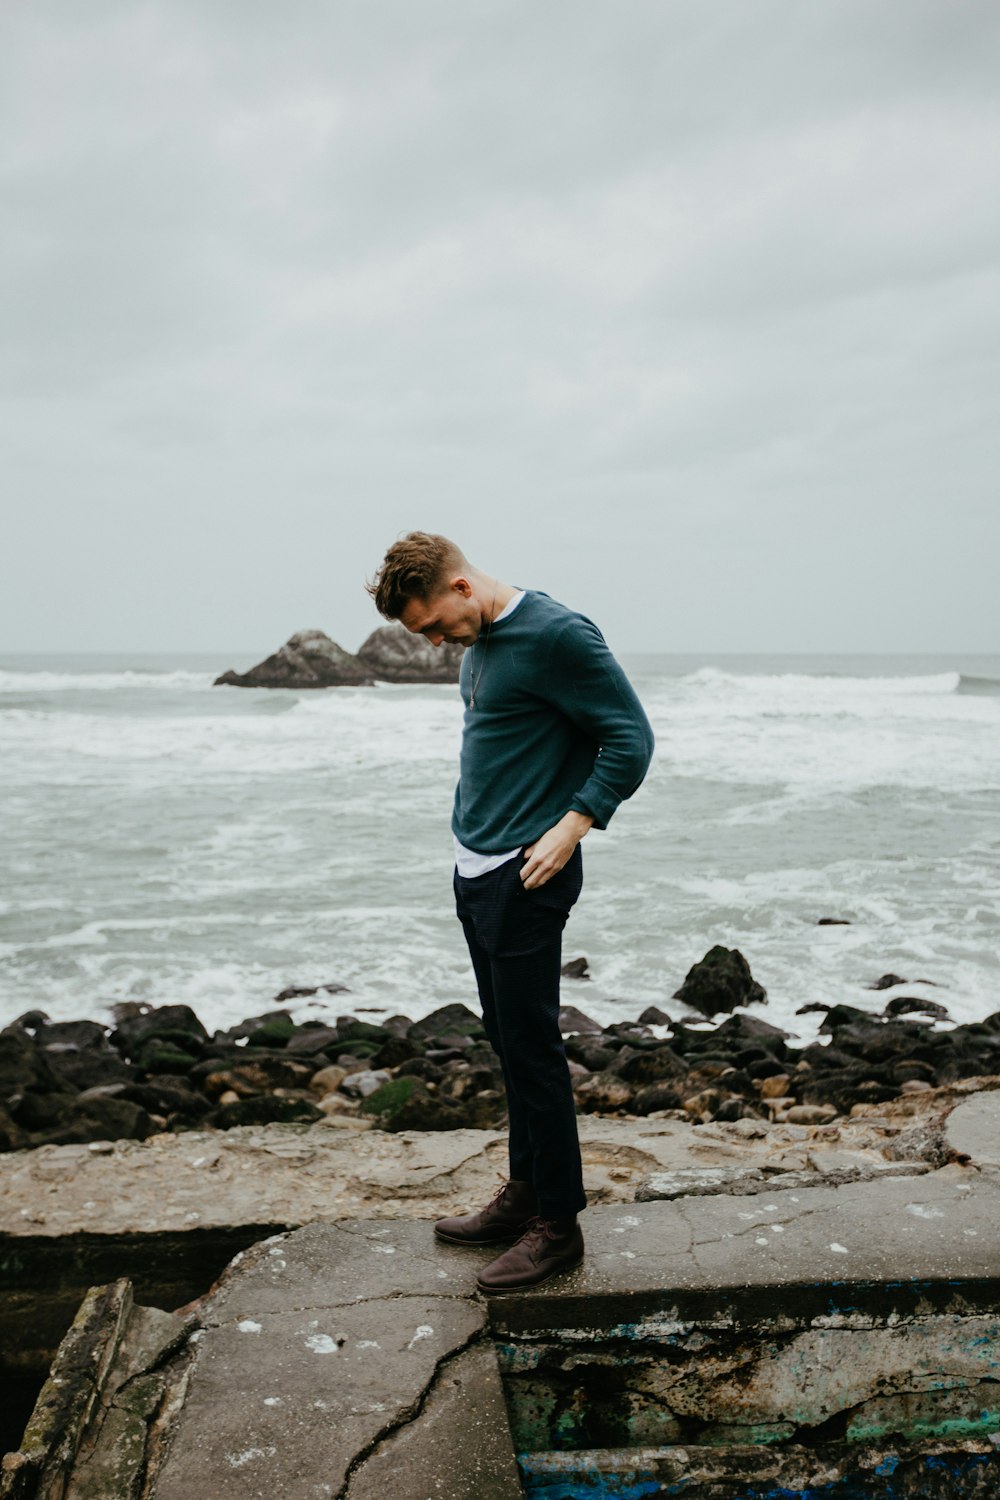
<point x="556" y="726"/>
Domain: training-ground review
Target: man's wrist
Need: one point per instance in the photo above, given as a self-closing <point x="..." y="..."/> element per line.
<point x="578" y="823"/>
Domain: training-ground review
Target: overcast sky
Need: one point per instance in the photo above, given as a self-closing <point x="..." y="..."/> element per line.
<point x="686" y="311"/>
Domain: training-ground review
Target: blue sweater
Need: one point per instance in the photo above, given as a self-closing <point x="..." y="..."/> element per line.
<point x="556" y="726"/>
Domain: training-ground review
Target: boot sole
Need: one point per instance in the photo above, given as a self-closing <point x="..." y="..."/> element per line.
<point x="505" y="1239"/>
<point x="526" y="1286"/>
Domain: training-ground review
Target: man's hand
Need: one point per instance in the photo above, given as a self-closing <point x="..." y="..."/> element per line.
<point x="547" y="855"/>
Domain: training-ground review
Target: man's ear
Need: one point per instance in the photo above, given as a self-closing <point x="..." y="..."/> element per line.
<point x="461" y="585"/>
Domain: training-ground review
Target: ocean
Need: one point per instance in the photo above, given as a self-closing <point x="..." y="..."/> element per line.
<point x="166" y="841"/>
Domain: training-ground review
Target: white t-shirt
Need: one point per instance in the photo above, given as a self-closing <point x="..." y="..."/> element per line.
<point x="467" y="861"/>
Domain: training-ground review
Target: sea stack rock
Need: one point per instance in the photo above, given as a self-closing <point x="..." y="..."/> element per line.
<point x="720" y="982"/>
<point x="392" y="654"/>
<point x="308" y="659"/>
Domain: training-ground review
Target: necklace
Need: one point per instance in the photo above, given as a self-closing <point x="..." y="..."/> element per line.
<point x="489" y="627"/>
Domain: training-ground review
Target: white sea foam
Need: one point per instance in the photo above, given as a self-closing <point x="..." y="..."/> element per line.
<point x="100" y="682"/>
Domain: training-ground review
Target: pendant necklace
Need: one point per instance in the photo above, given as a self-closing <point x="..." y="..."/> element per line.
<point x="489" y="627"/>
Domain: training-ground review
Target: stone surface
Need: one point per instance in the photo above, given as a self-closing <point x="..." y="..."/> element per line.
<point x="293" y="1174"/>
<point x="392" y="654"/>
<point x="973" y="1129"/>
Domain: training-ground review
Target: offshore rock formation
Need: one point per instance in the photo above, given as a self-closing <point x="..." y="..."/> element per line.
<point x="310" y="659"/>
<point x="392" y="654"/>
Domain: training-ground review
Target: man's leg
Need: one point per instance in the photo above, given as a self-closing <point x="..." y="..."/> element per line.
<point x="519" y="1139"/>
<point x="525" y="992"/>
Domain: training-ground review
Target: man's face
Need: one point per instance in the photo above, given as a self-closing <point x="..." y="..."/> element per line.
<point x="452" y="615"/>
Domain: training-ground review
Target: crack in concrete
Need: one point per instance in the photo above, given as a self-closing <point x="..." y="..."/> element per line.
<point x="409" y="1414"/>
<point x="281" y="1312"/>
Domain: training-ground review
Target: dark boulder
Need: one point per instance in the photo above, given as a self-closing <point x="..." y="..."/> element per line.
<point x="407" y="1104"/>
<point x="575" y="968"/>
<point x="573" y="1022"/>
<point x="603" y="1093"/>
<point x="265" y="1109"/>
<point x="446" y="1020"/>
<point x="905" y="1005"/>
<point x="648" y="1065"/>
<point x="720" y="982"/>
<point x="300" y="992"/>
<point x="656" y="1096"/>
<point x="175" y="1025"/>
<point x="392" y="654"/>
<point x="590" y="1052"/>
<point x="886" y="982"/>
<point x="309" y="1040"/>
<point x="308" y="659"/>
<point x="654" y="1016"/>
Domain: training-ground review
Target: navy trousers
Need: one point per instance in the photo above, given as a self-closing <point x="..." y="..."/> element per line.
<point x="515" y="942"/>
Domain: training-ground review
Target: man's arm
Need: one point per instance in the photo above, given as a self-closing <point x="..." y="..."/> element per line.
<point x="589" y="686"/>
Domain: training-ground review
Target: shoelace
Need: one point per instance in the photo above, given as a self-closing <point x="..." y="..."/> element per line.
<point x="538" y="1231"/>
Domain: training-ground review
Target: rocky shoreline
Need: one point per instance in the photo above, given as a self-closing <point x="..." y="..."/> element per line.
<point x="158" y="1070"/>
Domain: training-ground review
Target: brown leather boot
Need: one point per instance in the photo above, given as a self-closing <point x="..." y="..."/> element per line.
<point x="545" y="1248"/>
<point x="505" y="1217"/>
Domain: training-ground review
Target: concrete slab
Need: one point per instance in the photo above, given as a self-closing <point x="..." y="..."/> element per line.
<point x="285" y="1403"/>
<point x="939" y="1227"/>
<point x="973" y="1129"/>
<point x="422" y="1460"/>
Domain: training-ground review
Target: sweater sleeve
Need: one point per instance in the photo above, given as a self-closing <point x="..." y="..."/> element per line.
<point x="586" y="683"/>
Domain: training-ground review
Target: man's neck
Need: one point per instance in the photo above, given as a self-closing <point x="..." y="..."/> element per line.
<point x="493" y="596"/>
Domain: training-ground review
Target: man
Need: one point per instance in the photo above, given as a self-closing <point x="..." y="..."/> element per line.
<point x="554" y="739"/>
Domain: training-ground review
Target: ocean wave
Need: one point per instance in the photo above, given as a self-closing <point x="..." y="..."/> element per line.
<point x="805" y="685"/>
<point x="979" y="687"/>
<point x="98" y="682"/>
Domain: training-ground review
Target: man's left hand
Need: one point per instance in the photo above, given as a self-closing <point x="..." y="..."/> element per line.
<point x="547" y="855"/>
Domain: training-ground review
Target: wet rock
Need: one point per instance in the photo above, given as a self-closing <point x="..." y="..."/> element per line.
<point x="394" y="1051"/>
<point x="654" y="1016"/>
<point x="421" y="1067"/>
<point x="327" y="1080"/>
<point x="407" y="1104"/>
<point x="810" y="1114"/>
<point x="576" y="968"/>
<point x="309" y="1040"/>
<point x="603" y="1093"/>
<point x="590" y="1052"/>
<point x="654" y="1097"/>
<point x="886" y="982"/>
<point x="649" y="1065"/>
<point x="704" y="1105"/>
<point x="360" y="1085"/>
<point x="456" y="1019"/>
<point x="904" y="1005"/>
<point x="138" y="1024"/>
<point x="574" y="1022"/>
<point x="833" y="922"/>
<point x="167" y="1096"/>
<point x="308" y="659"/>
<point x="13" y="1137"/>
<point x="720" y="981"/>
<point x="392" y="654"/>
<point x="305" y="992"/>
<point x="265" y="1109"/>
<point x="273" y="1033"/>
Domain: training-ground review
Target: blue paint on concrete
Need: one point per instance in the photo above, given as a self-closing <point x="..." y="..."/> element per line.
<point x="888" y="1465"/>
